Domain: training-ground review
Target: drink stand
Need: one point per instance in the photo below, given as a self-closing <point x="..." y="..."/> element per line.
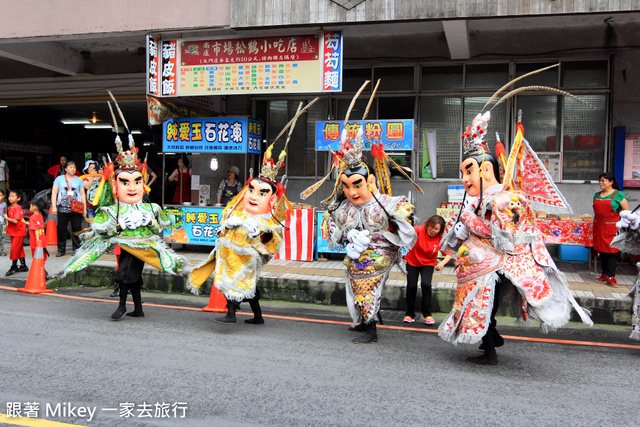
<point x="223" y="138"/>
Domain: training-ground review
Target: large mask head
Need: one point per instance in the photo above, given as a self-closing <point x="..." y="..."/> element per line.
<point x="471" y="177"/>
<point x="358" y="185"/>
<point x="129" y="186"/>
<point x="260" y="197"/>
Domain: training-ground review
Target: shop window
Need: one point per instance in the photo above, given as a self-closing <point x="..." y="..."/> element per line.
<point x="486" y="76"/>
<point x="394" y="79"/>
<point x="301" y="154"/>
<point x="359" y="107"/>
<point x="396" y="107"/>
<point x="584" y="129"/>
<point x="353" y="78"/>
<point x="543" y="78"/>
<point x="540" y="121"/>
<point x="442" y="115"/>
<point x="441" y="78"/>
<point x="584" y="74"/>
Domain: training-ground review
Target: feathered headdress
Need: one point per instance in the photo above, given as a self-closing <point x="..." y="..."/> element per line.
<point x="350" y="156"/>
<point x="523" y="171"/>
<point x="126" y="160"/>
<point x="270" y="167"/>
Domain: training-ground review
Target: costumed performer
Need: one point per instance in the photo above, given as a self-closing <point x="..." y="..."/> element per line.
<point x="628" y="241"/>
<point x="500" y="254"/>
<point x="123" y="219"/>
<point x="373" y="224"/>
<point x="250" y="234"/>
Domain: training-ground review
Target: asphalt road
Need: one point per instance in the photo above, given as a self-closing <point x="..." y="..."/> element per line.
<point x="63" y="353"/>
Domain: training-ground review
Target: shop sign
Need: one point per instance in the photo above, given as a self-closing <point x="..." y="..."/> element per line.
<point x="322" y="239"/>
<point x="153" y="61"/>
<point x="25" y="147"/>
<point x="393" y="134"/>
<point x="192" y="225"/>
<point x="631" y="174"/>
<point x="212" y="135"/>
<point x="280" y="64"/>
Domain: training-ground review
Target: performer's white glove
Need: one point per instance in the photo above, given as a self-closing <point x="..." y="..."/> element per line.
<point x="359" y="241"/>
<point x="461" y="230"/>
<point x="359" y="237"/>
<point x="628" y="219"/>
<point x="146" y="218"/>
<point x="252" y="228"/>
<point x="232" y="222"/>
<point x="131" y="220"/>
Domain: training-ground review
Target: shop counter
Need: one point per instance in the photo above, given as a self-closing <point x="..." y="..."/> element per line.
<point x="197" y="225"/>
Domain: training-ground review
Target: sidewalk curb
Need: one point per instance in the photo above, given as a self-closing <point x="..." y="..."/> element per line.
<point x="330" y="291"/>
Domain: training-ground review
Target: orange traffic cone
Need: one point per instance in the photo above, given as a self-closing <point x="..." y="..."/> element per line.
<point x="36" y="281"/>
<point x="52" y="231"/>
<point x="217" y="301"/>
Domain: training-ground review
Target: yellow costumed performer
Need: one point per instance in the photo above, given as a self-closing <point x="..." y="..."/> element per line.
<point x="249" y="235"/>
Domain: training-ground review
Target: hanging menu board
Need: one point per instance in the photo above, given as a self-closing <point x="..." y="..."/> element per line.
<point x="281" y="64"/>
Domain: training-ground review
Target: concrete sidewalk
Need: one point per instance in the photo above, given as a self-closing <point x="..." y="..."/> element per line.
<point x="322" y="282"/>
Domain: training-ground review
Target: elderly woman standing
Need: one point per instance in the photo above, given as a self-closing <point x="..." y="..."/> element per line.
<point x="229" y="187"/>
<point x="65" y="188"/>
<point x="606" y="205"/>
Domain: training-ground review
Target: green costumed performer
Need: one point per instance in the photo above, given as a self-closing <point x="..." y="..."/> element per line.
<point x="123" y="219"/>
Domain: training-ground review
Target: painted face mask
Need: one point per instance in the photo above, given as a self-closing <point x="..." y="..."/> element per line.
<point x="259" y="199"/>
<point x="355" y="189"/>
<point x="130" y="187"/>
<point x="471" y="177"/>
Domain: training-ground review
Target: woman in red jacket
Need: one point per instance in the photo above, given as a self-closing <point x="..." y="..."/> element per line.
<point x="421" y="261"/>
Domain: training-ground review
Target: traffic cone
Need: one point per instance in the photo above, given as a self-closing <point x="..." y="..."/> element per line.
<point x="36" y="281"/>
<point x="52" y="231"/>
<point x="217" y="301"/>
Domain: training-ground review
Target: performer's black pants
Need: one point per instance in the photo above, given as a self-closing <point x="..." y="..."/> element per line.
<point x="426" y="274"/>
<point x="490" y="339"/>
<point x="609" y="262"/>
<point x="129" y="270"/>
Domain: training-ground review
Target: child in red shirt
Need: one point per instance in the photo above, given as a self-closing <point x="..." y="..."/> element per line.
<point x="17" y="229"/>
<point x="36" y="229"/>
<point x="421" y="261"/>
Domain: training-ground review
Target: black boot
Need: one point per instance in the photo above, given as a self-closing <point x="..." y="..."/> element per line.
<point x="370" y="336"/>
<point x="13" y="269"/>
<point x="230" y="317"/>
<point x="116" y="291"/>
<point x="23" y="265"/>
<point x="122" y="307"/>
<point x="137" y="301"/>
<point x="499" y="343"/>
<point x="360" y="327"/>
<point x="254" y="303"/>
<point x="488" y="358"/>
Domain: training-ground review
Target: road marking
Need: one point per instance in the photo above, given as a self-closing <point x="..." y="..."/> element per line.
<point x="32" y="422"/>
<point x="339" y="322"/>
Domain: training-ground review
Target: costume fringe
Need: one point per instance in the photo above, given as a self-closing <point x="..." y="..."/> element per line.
<point x="635" y="335"/>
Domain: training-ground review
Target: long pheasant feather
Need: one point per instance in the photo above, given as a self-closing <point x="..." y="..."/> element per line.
<point x="366" y="111"/>
<point x="543" y="88"/>
<point x="124" y="122"/>
<point x="515" y="80"/>
<point x="353" y="101"/>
